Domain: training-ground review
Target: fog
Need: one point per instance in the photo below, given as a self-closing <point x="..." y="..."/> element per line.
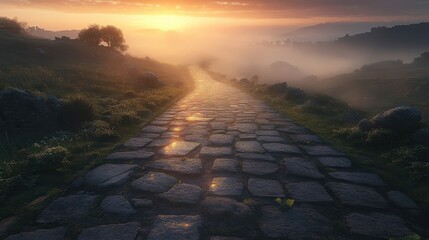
<point x="243" y="52"/>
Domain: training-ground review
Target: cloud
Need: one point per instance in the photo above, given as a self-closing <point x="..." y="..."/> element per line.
<point x="239" y="8"/>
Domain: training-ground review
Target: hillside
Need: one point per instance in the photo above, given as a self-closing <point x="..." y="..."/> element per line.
<point x="48" y="34"/>
<point x="383" y="85"/>
<point x="64" y="105"/>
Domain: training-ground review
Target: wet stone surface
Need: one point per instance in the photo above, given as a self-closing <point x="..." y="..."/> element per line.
<point x="212" y="167"/>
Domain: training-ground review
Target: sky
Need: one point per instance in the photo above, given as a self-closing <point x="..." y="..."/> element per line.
<point x="179" y="15"/>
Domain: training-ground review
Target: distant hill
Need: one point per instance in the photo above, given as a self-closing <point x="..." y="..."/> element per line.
<point x="331" y="31"/>
<point x="383" y="85"/>
<point x="401" y="37"/>
<point x="43" y="33"/>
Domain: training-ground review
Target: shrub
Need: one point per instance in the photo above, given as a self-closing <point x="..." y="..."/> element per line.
<point x="12" y="25"/>
<point x="352" y="135"/>
<point x="99" y="130"/>
<point x="381" y="137"/>
<point x="415" y="158"/>
<point x="125" y="118"/>
<point x="278" y="88"/>
<point x="75" y="112"/>
<point x="50" y="159"/>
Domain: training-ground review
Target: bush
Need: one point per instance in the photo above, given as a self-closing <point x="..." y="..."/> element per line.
<point x="381" y="137"/>
<point x="76" y="112"/>
<point x="415" y="158"/>
<point x="352" y="135"/>
<point x="99" y="130"/>
<point x="50" y="159"/>
<point x="125" y="118"/>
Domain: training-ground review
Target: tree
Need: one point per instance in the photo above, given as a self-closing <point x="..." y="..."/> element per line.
<point x="12" y="25"/>
<point x="110" y="35"/>
<point x="91" y="35"/>
<point x="113" y="37"/>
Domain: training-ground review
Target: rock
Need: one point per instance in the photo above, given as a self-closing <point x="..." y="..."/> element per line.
<point x="378" y="225"/>
<point x="183" y="193"/>
<point x="340" y="162"/>
<point x="323" y="151"/>
<point x="281" y="148"/>
<point x="249" y="147"/>
<point x="401" y="200"/>
<point x="259" y="168"/>
<point x="22" y="112"/>
<point x="131" y="155"/>
<point x="154" y="182"/>
<point x="117" y="205"/>
<point x="41" y="234"/>
<point x="179" y="148"/>
<point x="124" y="231"/>
<point x="400" y="118"/>
<point x="308" y="192"/>
<point x="421" y="136"/>
<point x="265" y="188"/>
<point x="270" y="139"/>
<point x="225" y="165"/>
<point x="359" y="178"/>
<point x="67" y="209"/>
<point x="301" y="167"/>
<point x="295" y="223"/>
<point x="305" y="138"/>
<point x="247" y="136"/>
<point x="214" y="152"/>
<point x="221" y="139"/>
<point x="142" y="203"/>
<point x="365" y="125"/>
<point x="109" y="175"/>
<point x="154" y="129"/>
<point x="267" y="133"/>
<point x="225" y="208"/>
<point x="256" y="156"/>
<point x="226" y="186"/>
<point x="357" y="196"/>
<point x="173" y="227"/>
<point x="244" y="127"/>
<point x="137" y="142"/>
<point x="351" y="117"/>
<point x="191" y="166"/>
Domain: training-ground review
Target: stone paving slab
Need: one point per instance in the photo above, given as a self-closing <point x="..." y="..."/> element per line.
<point x="109" y="175"/>
<point x="308" y="192"/>
<point x="154" y="182"/>
<point x="130" y="155"/>
<point x="357" y="196"/>
<point x="225" y="165"/>
<point x="172" y="227"/>
<point x="224" y="186"/>
<point x="301" y="167"/>
<point x="265" y="188"/>
<point x="41" y="234"/>
<point x="192" y="166"/>
<point x="183" y="193"/>
<point x="215" y="152"/>
<point x="179" y="148"/>
<point x="359" y="178"/>
<point x="259" y="168"/>
<point x="125" y="231"/>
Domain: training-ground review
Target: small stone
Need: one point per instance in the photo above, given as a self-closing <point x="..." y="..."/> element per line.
<point x="281" y="148"/>
<point x="259" y="168"/>
<point x="401" y="200"/>
<point x="41" y="234"/>
<point x="117" y="205"/>
<point x="249" y="147"/>
<point x="340" y="162"/>
<point x="305" y="138"/>
<point x="173" y="227"/>
<point x="109" y="175"/>
<point x="225" y="208"/>
<point x="359" y="178"/>
<point x="225" y="165"/>
<point x="67" y="209"/>
<point x="247" y="136"/>
<point x="256" y="156"/>
<point x="270" y="139"/>
<point x="192" y="166"/>
<point x="221" y="139"/>
<point x="154" y="129"/>
<point x="265" y="188"/>
<point x="295" y="223"/>
<point x="322" y="151"/>
<point x="378" y="225"/>
<point x="125" y="231"/>
<point x="214" y="152"/>
<point x="179" y="148"/>
<point x="359" y="196"/>
<point x="301" y="167"/>
<point x="183" y="193"/>
<point x="308" y="192"/>
<point x="154" y="182"/>
<point x="225" y="186"/>
<point x="267" y="133"/>
<point x="137" y="142"/>
<point x="142" y="203"/>
<point x="131" y="155"/>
